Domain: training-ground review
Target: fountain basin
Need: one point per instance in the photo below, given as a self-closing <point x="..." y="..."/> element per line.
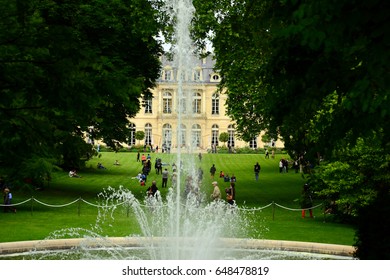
<point x="335" y="250"/>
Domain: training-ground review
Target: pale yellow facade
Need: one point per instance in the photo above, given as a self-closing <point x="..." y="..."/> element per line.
<point x="196" y="104"/>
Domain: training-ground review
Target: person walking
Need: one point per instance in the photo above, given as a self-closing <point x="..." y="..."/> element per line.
<point x="281" y="166"/>
<point x="158" y="166"/>
<point x="165" y="175"/>
<point x="8" y="201"/>
<point x="257" y="169"/>
<point x="216" y="194"/>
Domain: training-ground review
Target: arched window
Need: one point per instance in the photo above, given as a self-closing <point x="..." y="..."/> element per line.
<point x="231" y="135"/>
<point x="214" y="135"/>
<point x="196" y="135"/>
<point x="131" y="139"/>
<point x="215" y="78"/>
<point x="148" y="134"/>
<point x="167" y="136"/>
<point x="196" y="103"/>
<point x="215" y="104"/>
<point x="167" y="102"/>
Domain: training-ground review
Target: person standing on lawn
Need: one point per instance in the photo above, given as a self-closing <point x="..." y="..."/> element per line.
<point x="165" y="175"/>
<point x="8" y="201"/>
<point x="306" y="201"/>
<point x="216" y="195"/>
<point x="257" y="169"/>
<point x="212" y="171"/>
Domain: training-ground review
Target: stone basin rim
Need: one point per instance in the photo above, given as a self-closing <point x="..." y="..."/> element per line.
<point x="254" y="244"/>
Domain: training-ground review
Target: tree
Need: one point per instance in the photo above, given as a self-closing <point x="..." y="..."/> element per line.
<point x="67" y="66"/>
<point x="314" y="72"/>
<point x="140" y="135"/>
<point x="354" y="179"/>
<point x="301" y="68"/>
<point x="223" y="137"/>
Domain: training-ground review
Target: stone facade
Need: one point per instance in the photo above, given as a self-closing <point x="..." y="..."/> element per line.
<point x="198" y="105"/>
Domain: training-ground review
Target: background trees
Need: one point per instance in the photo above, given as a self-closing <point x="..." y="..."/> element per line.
<point x="316" y="73"/>
<point x="302" y="68"/>
<point x="67" y="68"/>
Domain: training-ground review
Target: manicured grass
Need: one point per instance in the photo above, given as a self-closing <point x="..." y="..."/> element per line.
<point x="34" y="221"/>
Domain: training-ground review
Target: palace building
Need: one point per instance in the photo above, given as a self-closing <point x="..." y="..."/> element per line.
<point x="195" y="102"/>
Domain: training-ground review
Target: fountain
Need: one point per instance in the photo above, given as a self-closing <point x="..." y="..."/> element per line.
<point x="182" y="226"/>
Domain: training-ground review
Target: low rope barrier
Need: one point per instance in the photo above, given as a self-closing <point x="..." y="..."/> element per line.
<point x="298" y="209"/>
<point x="55" y="206"/>
<point x="32" y="199"/>
<point x="101" y="206"/>
<point x="258" y="208"/>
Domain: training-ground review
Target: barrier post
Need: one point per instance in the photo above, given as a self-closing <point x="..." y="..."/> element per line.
<point x="273" y="211"/>
<point x="32" y="205"/>
<point x="324" y="210"/>
<point x="79" y="206"/>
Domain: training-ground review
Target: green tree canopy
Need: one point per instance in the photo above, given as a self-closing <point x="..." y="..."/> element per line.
<point x="317" y="74"/>
<point x="312" y="71"/>
<point x="69" y="67"/>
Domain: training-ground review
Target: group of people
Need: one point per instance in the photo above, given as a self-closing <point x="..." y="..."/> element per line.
<point x="216" y="195"/>
<point x="73" y="173"/>
<point x="226" y="177"/>
<point x="283" y="166"/>
<point x="192" y="185"/>
<point x="230" y="192"/>
<point x="146" y="161"/>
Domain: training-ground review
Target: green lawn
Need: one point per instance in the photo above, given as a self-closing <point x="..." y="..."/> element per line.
<point x="35" y="221"/>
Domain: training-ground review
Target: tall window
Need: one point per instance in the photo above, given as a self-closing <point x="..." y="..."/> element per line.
<point x="182" y="135"/>
<point x="168" y="74"/>
<point x="196" y="135"/>
<point x="131" y="134"/>
<point x="197" y="75"/>
<point x="196" y="103"/>
<point x="167" y="103"/>
<point x="214" y="135"/>
<point x="167" y="135"/>
<point x="148" y="134"/>
<point x="215" y="104"/>
<point x="231" y="135"/>
<point x="148" y="105"/>
<point x="182" y="76"/>
<point x="253" y="143"/>
<point x="183" y="104"/>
